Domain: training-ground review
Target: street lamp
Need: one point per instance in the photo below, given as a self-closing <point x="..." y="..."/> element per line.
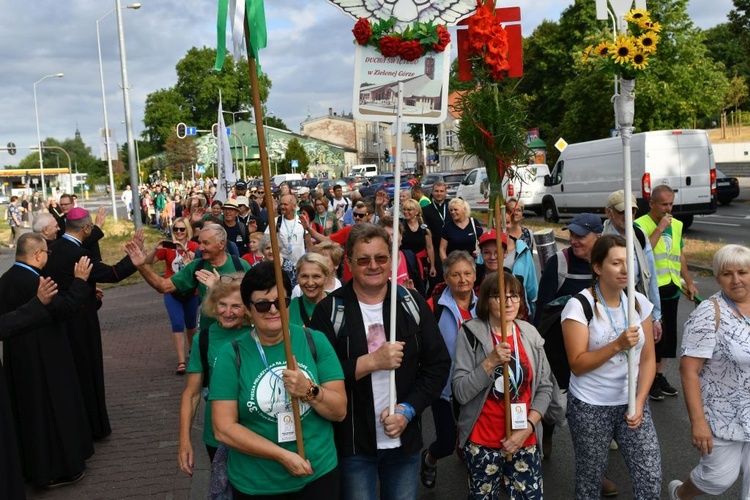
<point x="132" y="167"/>
<point x="134" y="6"/>
<point x="38" y="133"/>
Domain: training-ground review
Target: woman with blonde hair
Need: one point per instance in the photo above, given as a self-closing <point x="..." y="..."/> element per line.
<point x="313" y="271"/>
<point x="182" y="308"/>
<point x="224" y="303"/>
<point x="417" y="238"/>
<point x="461" y="231"/>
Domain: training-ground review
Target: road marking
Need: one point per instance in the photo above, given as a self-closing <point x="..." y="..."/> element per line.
<point x="742" y="217"/>
<point x="716" y="223"/>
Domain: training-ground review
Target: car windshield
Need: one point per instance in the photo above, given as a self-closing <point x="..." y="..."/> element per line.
<point x="453" y="178"/>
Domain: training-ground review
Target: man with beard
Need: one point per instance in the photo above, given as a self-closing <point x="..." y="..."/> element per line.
<point x="48" y="409"/>
<point x="83" y="330"/>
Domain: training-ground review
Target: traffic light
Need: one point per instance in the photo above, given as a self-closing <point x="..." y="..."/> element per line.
<point x="181" y="130"/>
<point x="215" y="130"/>
<point x="11" y="148"/>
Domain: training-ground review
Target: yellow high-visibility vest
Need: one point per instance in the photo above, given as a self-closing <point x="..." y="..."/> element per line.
<point x="668" y="263"/>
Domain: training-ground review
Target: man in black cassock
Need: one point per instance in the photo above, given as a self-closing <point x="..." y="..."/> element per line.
<point x="22" y="320"/>
<point x="50" y="418"/>
<point x="82" y="328"/>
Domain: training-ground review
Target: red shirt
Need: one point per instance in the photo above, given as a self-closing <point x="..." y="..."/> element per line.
<point x="340" y="238"/>
<point x="169" y="255"/>
<point x="489" y="430"/>
<point x="253" y="259"/>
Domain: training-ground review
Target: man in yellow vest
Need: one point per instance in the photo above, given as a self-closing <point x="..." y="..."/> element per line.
<point x="665" y="234"/>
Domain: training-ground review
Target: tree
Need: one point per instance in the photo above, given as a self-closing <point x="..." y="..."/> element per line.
<point x="81" y="159"/>
<point x="431" y="131"/>
<point x="294" y="151"/>
<point x="194" y="99"/>
<point x="181" y="155"/>
<point x="275" y="122"/>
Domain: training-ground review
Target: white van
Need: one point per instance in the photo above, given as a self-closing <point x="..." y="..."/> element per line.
<point x="527" y="185"/>
<point x="586" y="173"/>
<point x="278" y="179"/>
<point x="368" y="170"/>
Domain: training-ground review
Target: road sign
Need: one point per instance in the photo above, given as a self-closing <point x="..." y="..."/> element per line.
<point x="11" y="148"/>
<point x="200" y="169"/>
<point x="295" y="164"/>
<point x="561" y="144"/>
<point x="191" y="131"/>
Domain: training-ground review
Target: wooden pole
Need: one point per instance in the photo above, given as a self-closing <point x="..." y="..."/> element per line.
<point x="499" y="230"/>
<point x="258" y="110"/>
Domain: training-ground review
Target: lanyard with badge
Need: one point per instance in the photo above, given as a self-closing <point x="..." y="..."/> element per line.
<point x="441" y="214"/>
<point x="518" y="411"/>
<point x="284" y="419"/>
<point x="290" y="234"/>
<point x="612" y="322"/>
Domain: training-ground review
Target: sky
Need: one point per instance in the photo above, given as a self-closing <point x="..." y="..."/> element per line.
<point x="310" y="59"/>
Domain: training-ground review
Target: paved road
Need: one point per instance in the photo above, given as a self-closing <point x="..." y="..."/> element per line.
<point x="730" y="224"/>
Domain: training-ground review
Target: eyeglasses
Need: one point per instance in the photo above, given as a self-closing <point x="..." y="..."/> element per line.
<point x="359" y="215"/>
<point x="513" y="299"/>
<point x="365" y="261"/>
<point x="177" y="229"/>
<point x="227" y="278"/>
<point x="263" y="306"/>
<point x="48" y="252"/>
<point x="261" y="193"/>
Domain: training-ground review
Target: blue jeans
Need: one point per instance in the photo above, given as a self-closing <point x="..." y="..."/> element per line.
<point x="398" y="475"/>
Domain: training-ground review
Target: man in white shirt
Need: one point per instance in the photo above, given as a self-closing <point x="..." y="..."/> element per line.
<point x="339" y="204"/>
<point x="289" y="229"/>
<point x="127" y="199"/>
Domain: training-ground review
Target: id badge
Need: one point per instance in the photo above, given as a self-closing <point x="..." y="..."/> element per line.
<point x="518" y="416"/>
<point x="289" y="249"/>
<point x="285" y="424"/>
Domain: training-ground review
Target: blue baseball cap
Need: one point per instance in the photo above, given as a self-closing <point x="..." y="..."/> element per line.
<point x="583" y="224"/>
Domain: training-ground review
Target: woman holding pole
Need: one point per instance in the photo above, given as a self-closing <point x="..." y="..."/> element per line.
<point x="251" y="390"/>
<point x="597" y="341"/>
<point x="478" y="386"/>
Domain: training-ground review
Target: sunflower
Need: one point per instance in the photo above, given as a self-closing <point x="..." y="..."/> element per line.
<point x="636" y="15"/>
<point x="622" y="50"/>
<point x="639" y="60"/>
<point x="647" y="42"/>
<point x="650" y="25"/>
<point x="603" y="49"/>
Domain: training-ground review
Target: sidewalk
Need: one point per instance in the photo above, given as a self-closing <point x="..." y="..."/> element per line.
<point x="139" y="459"/>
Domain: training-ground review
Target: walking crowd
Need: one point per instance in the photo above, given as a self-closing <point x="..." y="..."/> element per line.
<point x="567" y="343"/>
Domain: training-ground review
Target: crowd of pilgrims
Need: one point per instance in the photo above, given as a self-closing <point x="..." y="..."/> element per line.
<point x="455" y="330"/>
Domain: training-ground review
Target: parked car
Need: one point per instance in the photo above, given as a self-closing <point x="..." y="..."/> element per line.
<point x="312" y="182"/>
<point x="727" y="188"/>
<point x="355" y="182"/>
<point x="4" y="200"/>
<point x="452" y="179"/>
<point x="327" y="187"/>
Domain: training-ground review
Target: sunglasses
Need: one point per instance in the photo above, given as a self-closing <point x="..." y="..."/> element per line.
<point x="263" y="306"/>
<point x="358" y="215"/>
<point x="179" y="229"/>
<point x="365" y="261"/>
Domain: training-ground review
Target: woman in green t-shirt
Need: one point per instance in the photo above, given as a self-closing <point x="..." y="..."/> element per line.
<point x="251" y="391"/>
<point x="312" y="275"/>
<point x="224" y="303"/>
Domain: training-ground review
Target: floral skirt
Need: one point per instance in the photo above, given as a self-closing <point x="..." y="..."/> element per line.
<point x="489" y="471"/>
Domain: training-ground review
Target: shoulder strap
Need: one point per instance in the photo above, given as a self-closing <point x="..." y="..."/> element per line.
<point x="562" y="267"/>
<point x="409" y="304"/>
<point x="237" y="264"/>
<point x="201" y="264"/>
<point x="641" y="235"/>
<point x="587" y="311"/>
<point x="237" y="359"/>
<point x="311" y="344"/>
<point x="717" y="314"/>
<point x="203" y="348"/>
<point x="337" y="314"/>
<point x="278" y="223"/>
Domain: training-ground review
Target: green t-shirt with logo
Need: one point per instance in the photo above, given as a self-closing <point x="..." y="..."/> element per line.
<point x="185" y="280"/>
<point x="295" y="315"/>
<point x="261" y="397"/>
<point x="217" y="337"/>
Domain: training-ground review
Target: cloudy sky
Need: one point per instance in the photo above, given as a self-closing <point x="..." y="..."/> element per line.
<point x="309" y="59"/>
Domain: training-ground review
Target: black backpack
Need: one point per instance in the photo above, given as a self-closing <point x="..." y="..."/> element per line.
<point x="550" y="328"/>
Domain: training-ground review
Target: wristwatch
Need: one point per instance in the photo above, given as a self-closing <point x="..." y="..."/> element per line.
<point x="312" y="392"/>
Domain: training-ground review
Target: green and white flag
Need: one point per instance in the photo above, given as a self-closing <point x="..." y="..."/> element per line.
<point x="254" y="12"/>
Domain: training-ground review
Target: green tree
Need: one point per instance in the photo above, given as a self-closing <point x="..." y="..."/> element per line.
<point x="181" y="155"/>
<point x="194" y="99"/>
<point x="276" y="122"/>
<point x="431" y="131"/>
<point x="294" y="151"/>
<point x="81" y="158"/>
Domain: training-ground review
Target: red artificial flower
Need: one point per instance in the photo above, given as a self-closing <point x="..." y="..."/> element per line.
<point x="444" y="38"/>
<point x="390" y="45"/>
<point x="362" y="31"/>
<point x="410" y="50"/>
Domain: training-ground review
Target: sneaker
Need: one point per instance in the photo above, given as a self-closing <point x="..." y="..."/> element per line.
<point x="666" y="388"/>
<point x="673" y="485"/>
<point x="427" y="472"/>
<point x="655" y="393"/>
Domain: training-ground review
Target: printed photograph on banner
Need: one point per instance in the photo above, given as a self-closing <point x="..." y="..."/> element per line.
<point x="425" y="82"/>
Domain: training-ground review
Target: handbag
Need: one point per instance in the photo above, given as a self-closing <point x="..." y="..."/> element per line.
<point x="220" y="488"/>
